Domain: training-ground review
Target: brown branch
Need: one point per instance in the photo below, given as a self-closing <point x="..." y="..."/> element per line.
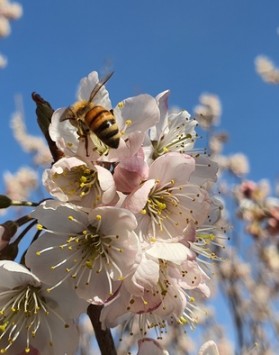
<point x="104" y="337"/>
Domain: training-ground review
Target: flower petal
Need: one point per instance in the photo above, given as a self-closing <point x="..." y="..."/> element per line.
<point x="174" y="252"/>
<point x="150" y="346"/>
<point x="55" y="215"/>
<point x="172" y="166"/>
<point x="86" y="86"/>
<point x="136" y="201"/>
<point x="141" y="110"/>
<point x="209" y="348"/>
<point x="13" y="274"/>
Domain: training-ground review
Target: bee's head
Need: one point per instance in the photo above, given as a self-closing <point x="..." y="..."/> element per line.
<point x="81" y="108"/>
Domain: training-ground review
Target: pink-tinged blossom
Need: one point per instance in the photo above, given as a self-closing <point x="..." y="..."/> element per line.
<point x="131" y="225"/>
<point x="257" y="192"/>
<point x="157" y="292"/>
<point x="33" y="318"/>
<point x="95" y="249"/>
<point x="175" y="132"/>
<point x="73" y="180"/>
<point x="168" y="201"/>
<point x="134" y="116"/>
<point x="164" y="303"/>
<point x="205" y="171"/>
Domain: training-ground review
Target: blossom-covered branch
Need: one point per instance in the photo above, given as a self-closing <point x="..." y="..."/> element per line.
<point x="130" y="228"/>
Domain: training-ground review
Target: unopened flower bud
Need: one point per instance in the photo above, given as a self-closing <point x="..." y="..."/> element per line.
<point x="8" y="230"/>
<point x="5" y="201"/>
<point x="9" y="252"/>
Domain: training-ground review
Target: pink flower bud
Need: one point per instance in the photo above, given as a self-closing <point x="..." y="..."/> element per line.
<point x="130" y="173"/>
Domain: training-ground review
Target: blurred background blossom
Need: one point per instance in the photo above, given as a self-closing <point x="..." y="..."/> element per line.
<point x="8" y="11"/>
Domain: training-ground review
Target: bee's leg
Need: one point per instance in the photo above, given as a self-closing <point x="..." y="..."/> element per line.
<point x="86" y="145"/>
<point x="85" y="137"/>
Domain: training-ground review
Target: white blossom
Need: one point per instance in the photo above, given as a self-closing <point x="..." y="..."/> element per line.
<point x="30" y="316"/>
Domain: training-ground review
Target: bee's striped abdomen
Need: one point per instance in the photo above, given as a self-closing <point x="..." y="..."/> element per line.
<point x="103" y="124"/>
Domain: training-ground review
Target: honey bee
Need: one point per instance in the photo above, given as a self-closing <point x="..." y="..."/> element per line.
<point x="88" y="117"/>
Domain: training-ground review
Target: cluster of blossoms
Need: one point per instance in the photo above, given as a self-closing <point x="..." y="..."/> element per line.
<point x="259" y="210"/>
<point x="8" y="11"/>
<point x="248" y="276"/>
<point x="129" y="229"/>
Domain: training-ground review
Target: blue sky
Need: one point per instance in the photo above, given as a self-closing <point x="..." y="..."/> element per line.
<point x="189" y="46"/>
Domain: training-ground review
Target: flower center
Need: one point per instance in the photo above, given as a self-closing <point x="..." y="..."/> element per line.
<point x="170" y="208"/>
<point x="91" y="246"/>
<point x="87" y="180"/>
<point x="178" y="136"/>
<point x="23" y="309"/>
<point x="158" y="203"/>
<point x="79" y="181"/>
<point x="87" y="250"/>
<point x="86" y="254"/>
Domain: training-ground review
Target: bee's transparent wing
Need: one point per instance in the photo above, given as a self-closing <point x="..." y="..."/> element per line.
<point x="99" y="85"/>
